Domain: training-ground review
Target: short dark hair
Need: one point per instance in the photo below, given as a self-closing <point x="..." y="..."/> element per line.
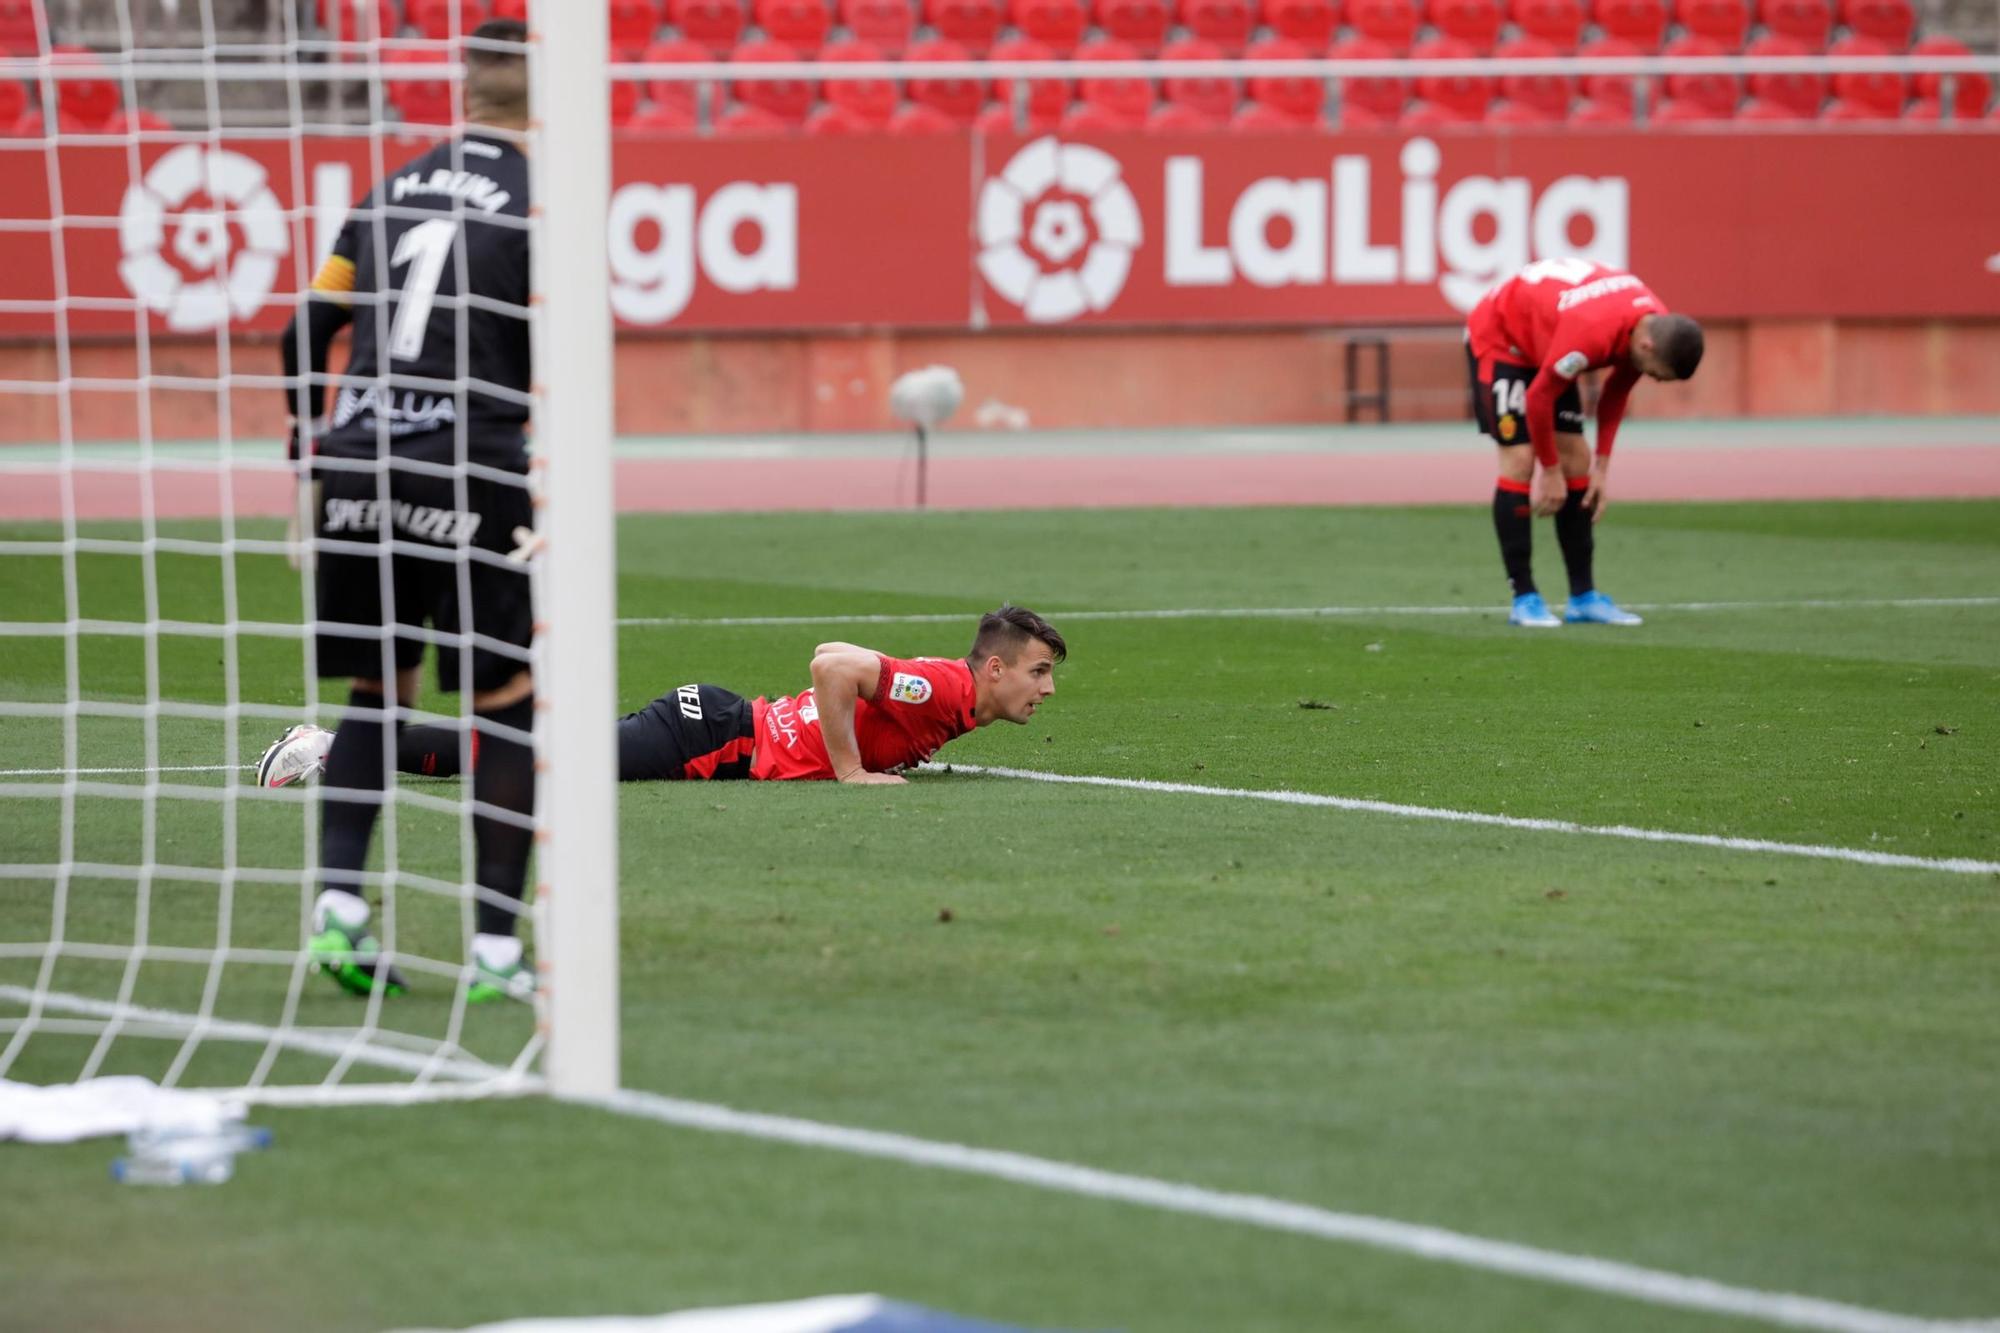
<point x="1004" y="633"/>
<point x="498" y="79"/>
<point x="1678" y="340"/>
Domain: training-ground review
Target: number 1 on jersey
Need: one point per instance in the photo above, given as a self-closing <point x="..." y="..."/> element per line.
<point x="424" y="248"/>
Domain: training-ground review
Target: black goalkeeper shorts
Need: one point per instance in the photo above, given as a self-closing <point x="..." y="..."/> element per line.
<point x="697" y="732"/>
<point x="447" y="569"/>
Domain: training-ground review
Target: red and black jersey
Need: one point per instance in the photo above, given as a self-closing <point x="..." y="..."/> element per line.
<point x="1564" y="317"/>
<point x="919" y="704"/>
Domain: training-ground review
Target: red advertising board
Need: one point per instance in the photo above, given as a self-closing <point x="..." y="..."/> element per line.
<point x="955" y="232"/>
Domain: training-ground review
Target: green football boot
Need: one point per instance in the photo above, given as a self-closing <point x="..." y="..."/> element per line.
<point x="353" y="959"/>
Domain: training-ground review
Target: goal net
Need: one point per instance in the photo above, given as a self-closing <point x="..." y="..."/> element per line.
<point x="175" y="180"/>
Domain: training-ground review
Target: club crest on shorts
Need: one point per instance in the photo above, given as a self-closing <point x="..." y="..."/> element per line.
<point x="909" y="689"/>
<point x="1510" y="426"/>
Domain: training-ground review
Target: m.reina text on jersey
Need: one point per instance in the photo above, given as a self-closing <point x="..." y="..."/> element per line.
<point x="410" y="412"/>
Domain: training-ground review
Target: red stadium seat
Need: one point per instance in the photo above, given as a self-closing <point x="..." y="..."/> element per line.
<point x="420" y="100"/>
<point x="1845" y="108"/>
<point x="999" y="119"/>
<point x="1370" y="101"/>
<point x="1543" y="96"/>
<point x="752" y="120"/>
<point x="1718" y="92"/>
<point x="1180" y="116"/>
<point x="442" y="20"/>
<point x="1227" y="23"/>
<point x="1593" y="112"/>
<point x="624" y="101"/>
<point x="13" y="103"/>
<point x="1642" y="23"/>
<point x="1300" y="98"/>
<point x="1047" y="98"/>
<point x="1968" y="91"/>
<point x="886" y="24"/>
<point x="511" y="9"/>
<point x="19" y="34"/>
<point x="1459" y="97"/>
<point x="128" y="122"/>
<point x="1140" y="23"/>
<point x="1807" y="21"/>
<point x="674" y="92"/>
<point x="1213" y="98"/>
<point x="1803" y="92"/>
<point x="959" y="99"/>
<point x="873" y="100"/>
<point x="1308" y="22"/>
<point x="85" y="105"/>
<point x="1557" y="22"/>
<point x="973" y="24"/>
<point x="1474" y="22"/>
<point x="1889" y="22"/>
<point x="917" y="119"/>
<point x="1686" y="111"/>
<point x="633" y="23"/>
<point x="1094" y="119"/>
<point x="1391" y="22"/>
<point x="1129" y="100"/>
<point x="662" y="120"/>
<point x="1056" y="24"/>
<point x="1885" y="92"/>
<point x="799" y="24"/>
<point x="360" y="20"/>
<point x="831" y="121"/>
<point x="1723" y="22"/>
<point x="1261" y="116"/>
<point x="787" y="99"/>
<point x="1769" y="112"/>
<point x="717" y="25"/>
<point x="1610" y="89"/>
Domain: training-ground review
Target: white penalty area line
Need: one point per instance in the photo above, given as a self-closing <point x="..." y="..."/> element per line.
<point x="1292" y="612"/>
<point x="1860" y="856"/>
<point x="1606" y="1276"/>
<point x="101" y="772"/>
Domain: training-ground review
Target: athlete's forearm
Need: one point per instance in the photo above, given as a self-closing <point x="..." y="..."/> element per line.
<point x="323" y="320"/>
<point x="840" y="678"/>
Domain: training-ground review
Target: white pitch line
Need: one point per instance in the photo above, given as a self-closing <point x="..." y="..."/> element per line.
<point x="98" y="772"/>
<point x="1286" y="612"/>
<point x="1956" y="865"/>
<point x="1607" y="1276"/>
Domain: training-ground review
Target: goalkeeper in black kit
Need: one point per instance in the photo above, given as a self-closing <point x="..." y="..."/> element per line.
<point x="419" y="480"/>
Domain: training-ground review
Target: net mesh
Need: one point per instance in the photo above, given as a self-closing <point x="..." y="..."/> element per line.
<point x="157" y="605"/>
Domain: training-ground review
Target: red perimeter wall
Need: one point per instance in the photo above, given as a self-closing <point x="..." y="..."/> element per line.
<point x="805" y="383"/>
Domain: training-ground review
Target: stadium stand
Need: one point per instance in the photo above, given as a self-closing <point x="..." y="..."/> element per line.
<point x="1056" y="24"/>
<point x="1110" y="103"/>
<point x="717" y="25"/>
<point x="1867" y="96"/>
<point x="888" y="25"/>
<point x="800" y="24"/>
<point x="973" y="24"/>
<point x="1802" y="94"/>
<point x="1717" y="94"/>
<point x="1393" y="23"/>
<point x="1559" y="23"/>
<point x="1298" y="100"/>
<point x="1310" y="23"/>
<point x="19" y="35"/>
<point x="1227" y="23"/>
<point x="634" y="23"/>
<point x="1968" y="92"/>
<point x="1640" y="24"/>
<point x="789" y="100"/>
<point x="959" y="100"/>
<point x="871" y="101"/>
<point x="1532" y="98"/>
<point x="1140" y="24"/>
<point x="1473" y="22"/>
<point x="1454" y="99"/>
<point x="441" y="20"/>
<point x="1890" y="22"/>
<point x="1723" y="23"/>
<point x="1807" y="22"/>
<point x="1211" y="99"/>
<point x="1046" y="99"/>
<point x="1365" y="103"/>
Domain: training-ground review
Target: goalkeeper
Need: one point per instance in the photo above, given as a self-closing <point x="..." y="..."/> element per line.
<point x="419" y="482"/>
<point x="867" y="716"/>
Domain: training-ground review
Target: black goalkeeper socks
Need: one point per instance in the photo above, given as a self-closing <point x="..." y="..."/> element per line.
<point x="353" y="763"/>
<point x="504" y="777"/>
<point x="1513" y="522"/>
<point x="1578" y="538"/>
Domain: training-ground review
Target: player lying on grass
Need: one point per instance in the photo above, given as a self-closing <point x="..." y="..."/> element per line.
<point x="1526" y="342"/>
<point x="867" y="717"/>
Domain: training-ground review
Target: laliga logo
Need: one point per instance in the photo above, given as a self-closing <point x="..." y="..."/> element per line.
<point x="222" y="285"/>
<point x="1057" y="229"/>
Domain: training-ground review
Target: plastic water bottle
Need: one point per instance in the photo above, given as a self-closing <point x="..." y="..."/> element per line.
<point x="173" y="1157"/>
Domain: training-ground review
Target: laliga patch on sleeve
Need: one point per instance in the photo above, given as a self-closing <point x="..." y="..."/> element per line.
<point x="909" y="689"/>
<point x="1572" y="364"/>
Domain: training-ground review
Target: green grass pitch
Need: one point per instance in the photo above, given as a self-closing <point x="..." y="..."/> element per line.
<point x="1770" y="1071"/>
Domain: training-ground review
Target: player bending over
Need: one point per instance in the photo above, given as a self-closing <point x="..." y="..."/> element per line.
<point x="1526" y="342"/>
<point x="867" y="716"/>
